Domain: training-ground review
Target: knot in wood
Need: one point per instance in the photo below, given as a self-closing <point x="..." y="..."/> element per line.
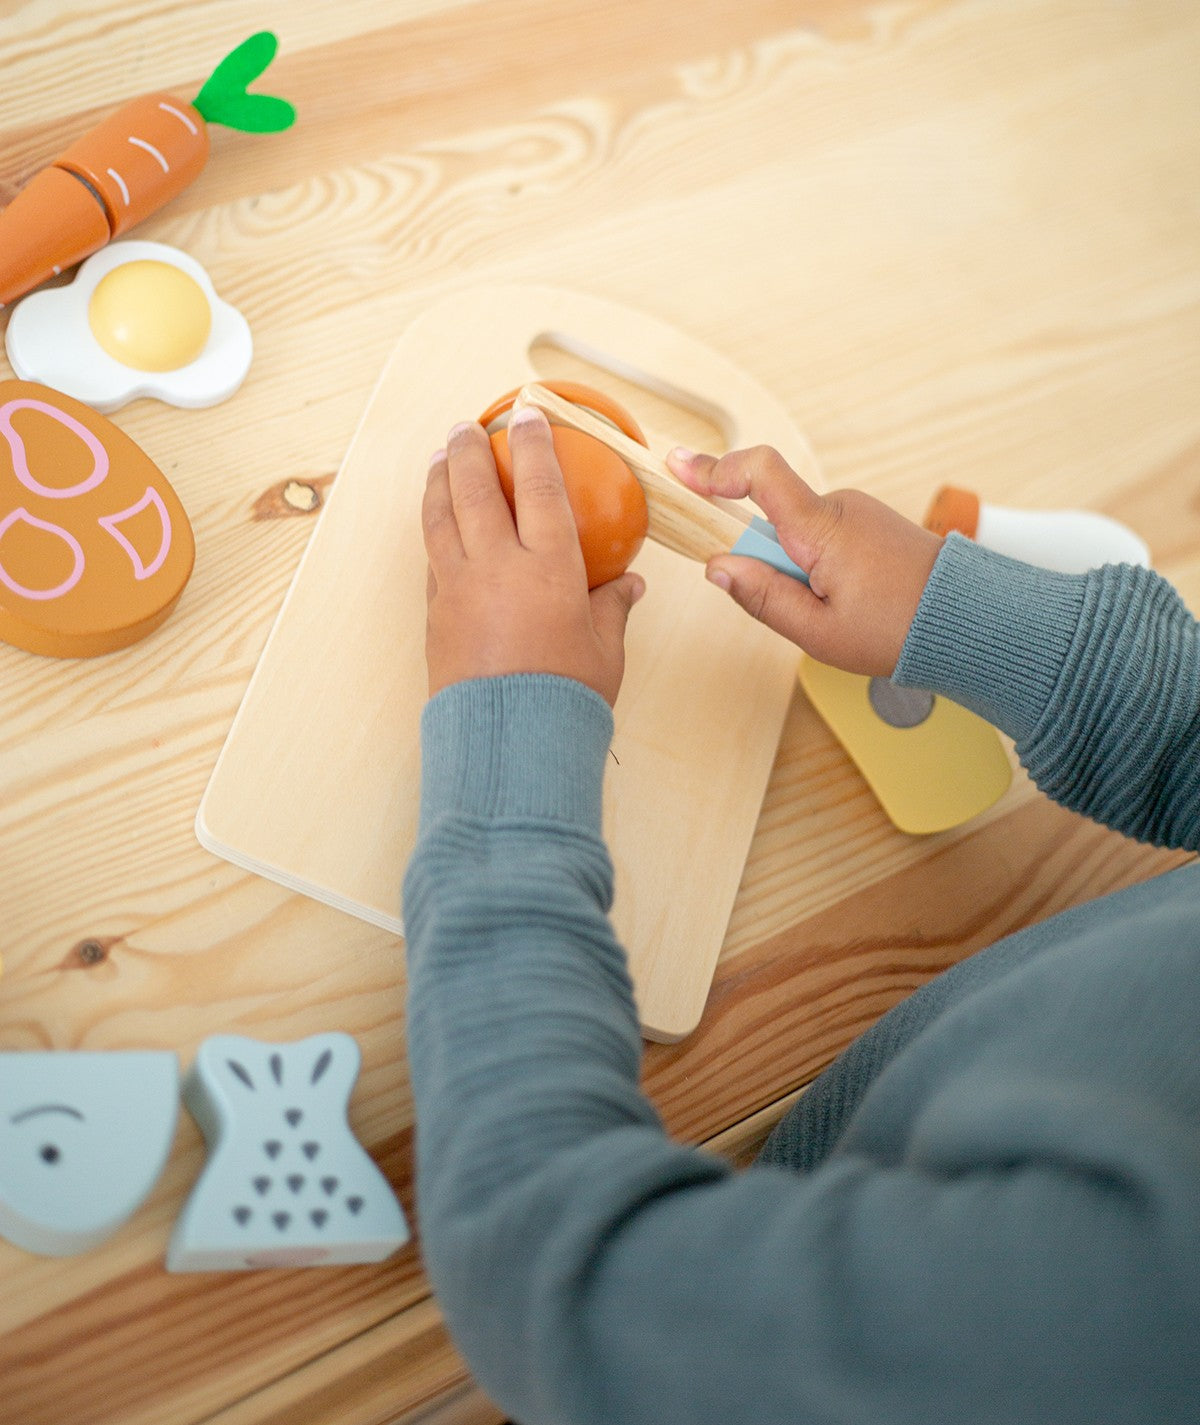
<point x="91" y="952"/>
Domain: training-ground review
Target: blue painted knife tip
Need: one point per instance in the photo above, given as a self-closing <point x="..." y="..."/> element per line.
<point x="761" y="541"/>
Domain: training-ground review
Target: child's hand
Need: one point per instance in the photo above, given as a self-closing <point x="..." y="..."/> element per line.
<point x="867" y="565"/>
<point x="512" y="597"/>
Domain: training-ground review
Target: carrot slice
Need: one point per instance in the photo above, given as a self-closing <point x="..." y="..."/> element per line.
<point x="52" y="223"/>
<point x="140" y="157"/>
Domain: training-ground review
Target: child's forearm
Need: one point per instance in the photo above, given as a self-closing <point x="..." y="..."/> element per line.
<point x="522" y="1035"/>
<point x="1095" y="676"/>
<point x="989" y="1206"/>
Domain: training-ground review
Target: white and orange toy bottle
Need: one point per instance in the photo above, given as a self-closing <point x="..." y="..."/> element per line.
<point x="1069" y="541"/>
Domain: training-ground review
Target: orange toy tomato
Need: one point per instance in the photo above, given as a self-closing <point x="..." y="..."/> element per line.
<point x="606" y="499"/>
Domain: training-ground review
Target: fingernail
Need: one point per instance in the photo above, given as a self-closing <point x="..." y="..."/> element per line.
<point x="527" y="416"/>
<point x="458" y="431"/>
<point x="683" y="454"/>
<point x="436" y="457"/>
<point x="720" y="578"/>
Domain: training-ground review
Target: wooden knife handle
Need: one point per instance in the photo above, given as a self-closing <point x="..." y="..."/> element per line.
<point x="679" y="518"/>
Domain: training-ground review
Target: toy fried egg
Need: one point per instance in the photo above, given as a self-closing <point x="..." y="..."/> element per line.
<point x="140" y="319"/>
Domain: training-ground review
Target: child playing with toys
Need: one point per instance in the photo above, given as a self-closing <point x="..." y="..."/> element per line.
<point x="988" y="1209"/>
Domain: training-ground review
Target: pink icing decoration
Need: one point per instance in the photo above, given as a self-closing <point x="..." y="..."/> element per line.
<point x="21" y="464"/>
<point x="69" y="539"/>
<point x="110" y="522"/>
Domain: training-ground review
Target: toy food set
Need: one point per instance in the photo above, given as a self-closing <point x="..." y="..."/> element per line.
<point x="1070" y="541"/>
<point x="286" y="1183"/>
<point x="700" y="713"/>
<point x="139" y="319"/>
<point x="127" y="167"/>
<point x="83" y="1139"/>
<point x="95" y="549"/>
<point x="95" y="546"/>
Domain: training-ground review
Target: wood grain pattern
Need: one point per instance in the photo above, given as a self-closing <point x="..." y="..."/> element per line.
<point x="958" y="239"/>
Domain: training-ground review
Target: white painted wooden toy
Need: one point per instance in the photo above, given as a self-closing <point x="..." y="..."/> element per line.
<point x="139" y="319"/>
<point x="1070" y="541"/>
<point x="286" y="1183"/>
<point x="83" y="1139"/>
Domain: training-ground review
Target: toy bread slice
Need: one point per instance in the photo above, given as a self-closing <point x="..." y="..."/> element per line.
<point x="932" y="764"/>
<point x="95" y="546"/>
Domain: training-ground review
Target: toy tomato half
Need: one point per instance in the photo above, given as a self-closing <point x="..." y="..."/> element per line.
<point x="606" y="499"/>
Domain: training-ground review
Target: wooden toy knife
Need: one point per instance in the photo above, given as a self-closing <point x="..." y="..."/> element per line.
<point x="680" y="519"/>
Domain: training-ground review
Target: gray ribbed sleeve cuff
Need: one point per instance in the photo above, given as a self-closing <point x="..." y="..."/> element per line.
<point x="992" y="634"/>
<point x="526" y="746"/>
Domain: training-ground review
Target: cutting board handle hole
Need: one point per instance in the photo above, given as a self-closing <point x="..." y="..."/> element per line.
<point x="669" y="414"/>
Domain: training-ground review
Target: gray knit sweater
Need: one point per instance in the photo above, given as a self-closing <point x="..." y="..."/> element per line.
<point x="988" y="1210"/>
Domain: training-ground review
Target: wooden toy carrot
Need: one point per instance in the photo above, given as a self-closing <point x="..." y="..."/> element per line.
<point x="127" y="167"/>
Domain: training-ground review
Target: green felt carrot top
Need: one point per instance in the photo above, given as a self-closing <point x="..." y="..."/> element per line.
<point x="224" y="98"/>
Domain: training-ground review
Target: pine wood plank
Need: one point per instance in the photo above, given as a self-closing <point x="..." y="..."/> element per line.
<point x="954" y="237"/>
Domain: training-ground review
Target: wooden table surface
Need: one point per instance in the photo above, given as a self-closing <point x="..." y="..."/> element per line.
<point x="959" y="239"/>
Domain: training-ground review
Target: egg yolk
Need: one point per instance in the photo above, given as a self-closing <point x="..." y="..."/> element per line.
<point x="150" y="316"/>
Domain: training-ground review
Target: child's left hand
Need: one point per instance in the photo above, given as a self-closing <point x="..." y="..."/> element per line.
<point x="511" y="596"/>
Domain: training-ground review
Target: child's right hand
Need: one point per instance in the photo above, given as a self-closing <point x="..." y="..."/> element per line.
<point x="867" y="565"/>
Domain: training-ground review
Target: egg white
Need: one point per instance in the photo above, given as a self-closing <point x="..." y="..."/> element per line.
<point x="50" y="340"/>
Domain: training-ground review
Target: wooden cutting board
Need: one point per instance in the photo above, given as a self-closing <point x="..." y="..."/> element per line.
<point x="318" y="782"/>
